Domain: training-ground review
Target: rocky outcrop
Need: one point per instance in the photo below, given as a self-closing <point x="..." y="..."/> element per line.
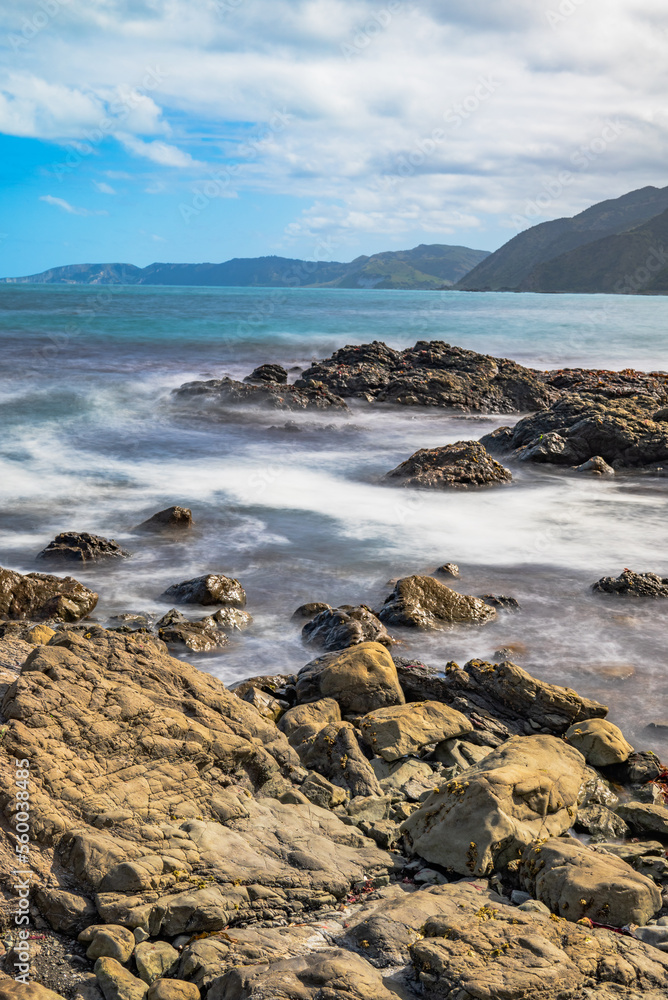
<point x="217" y="397"/>
<point x="199" y="636"/>
<point x="338" y="628"/>
<point x="599" y="741"/>
<point x="633" y="584"/>
<point x="39" y="596"/>
<point x="81" y="547"/>
<point x="399" y="730"/>
<point x="360" y="679"/>
<point x="172" y="519"/>
<point x="432" y="373"/>
<point x="213" y="588"/>
<point x="645" y="817"/>
<point x="268" y="373"/>
<point x="525" y="790"/>
<point x="575" y="881"/>
<point x="335" y="753"/>
<point x="466" y="464"/>
<point x="423" y="602"/>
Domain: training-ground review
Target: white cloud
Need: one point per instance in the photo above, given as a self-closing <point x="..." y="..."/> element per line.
<point x="67" y="207"/>
<point x="104" y="188"/>
<point x="157" y="152"/>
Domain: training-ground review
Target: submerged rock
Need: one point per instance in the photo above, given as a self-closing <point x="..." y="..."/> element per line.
<point x="268" y="373"/>
<point x="633" y="584"/>
<point x="217" y="396"/>
<point x="466" y="464"/>
<point x="74" y="546"/>
<point x="213" y="588"/>
<point x="339" y="628"/>
<point x="423" y="602"/>
<point x="526" y="789"/>
<point x="361" y="679"/>
<point x="39" y="596"/>
<point x="448" y="569"/>
<point x="170" y="519"/>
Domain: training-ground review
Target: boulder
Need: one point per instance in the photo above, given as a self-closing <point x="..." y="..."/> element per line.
<point x="67" y="912"/>
<point x="10" y="989"/>
<point x="217" y="398"/>
<point x="322" y="975"/>
<point x="423" y="602"/>
<point x="172" y="989"/>
<point x="81" y="547"/>
<point x="339" y="628"/>
<point x="398" y="730"/>
<point x="310" y="610"/>
<point x="640" y="767"/>
<point x="116" y="982"/>
<point x="322" y="792"/>
<point x="303" y="721"/>
<point x="155" y="959"/>
<point x="39" y="596"/>
<point x="210" y="589"/>
<point x="633" y="584"/>
<point x="268" y="373"/>
<point x="448" y="569"/>
<point x="360" y="679"/>
<point x="108" y="941"/>
<point x="200" y="636"/>
<point x="576" y="881"/>
<point x="170" y="519"/>
<point x="466" y="464"/>
<point x="233" y="619"/>
<point x="599" y="741"/>
<point x="596" y="466"/>
<point x="600" y="821"/>
<point x="645" y="817"/>
<point x="335" y="753"/>
<point x="484" y="819"/>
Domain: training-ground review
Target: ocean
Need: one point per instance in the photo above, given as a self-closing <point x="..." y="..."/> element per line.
<point x="298" y="513"/>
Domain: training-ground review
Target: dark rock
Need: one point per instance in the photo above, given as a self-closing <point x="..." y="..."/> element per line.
<point x="200" y="636"/>
<point x="40" y="596"/>
<point x="74" y="546"/>
<point x="596" y="466"/>
<point x="310" y="610"/>
<point x="279" y="685"/>
<point x="501" y="601"/>
<point x="268" y="373"/>
<point x="218" y="395"/>
<point x="423" y="602"/>
<point x="170" y="519"/>
<point x="466" y="464"/>
<point x="633" y="584"/>
<point x="346" y="626"/>
<point x="213" y="588"/>
<point x="449" y="569"/>
<point x="600" y="821"/>
<point x="639" y="768"/>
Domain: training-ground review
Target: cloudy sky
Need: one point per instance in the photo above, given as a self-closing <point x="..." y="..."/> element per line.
<point x="190" y="130"/>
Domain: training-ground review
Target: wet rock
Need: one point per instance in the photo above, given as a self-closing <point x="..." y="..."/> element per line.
<point x="39" y="596"/>
<point x="216" y="397"/>
<point x="116" y="982"/>
<point x="270" y="708"/>
<point x="81" y="547"/>
<point x="599" y="741"/>
<point x="645" y="817"/>
<point x="633" y="584"/>
<point x="310" y="610"/>
<point x="639" y="768"/>
<point x="596" y="466"/>
<point x="600" y="821"/>
<point x="399" y="730"/>
<point x="423" y="602"/>
<point x="233" y="619"/>
<point x="448" y="569"/>
<point x="303" y="721"/>
<point x="212" y="588"/>
<point x="339" y="628"/>
<point x="108" y="941"/>
<point x="331" y="973"/>
<point x="335" y="753"/>
<point x="499" y="697"/>
<point x="501" y="601"/>
<point x="171" y="519"/>
<point x="200" y="636"/>
<point x="576" y="881"/>
<point x="268" y="373"/>
<point x="360" y="679"/>
<point x="155" y="959"/>
<point x="466" y="464"/>
<point x="526" y="789"/>
<point x="279" y="685"/>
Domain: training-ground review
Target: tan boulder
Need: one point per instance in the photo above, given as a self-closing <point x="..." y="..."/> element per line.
<point x="303" y="721"/>
<point x="116" y="982"/>
<point x="10" y="989"/>
<point x="526" y="789"/>
<point x="398" y="730"/>
<point x="423" y="602"/>
<point x="336" y="754"/>
<point x="155" y="959"/>
<point x="108" y="941"/>
<point x="172" y="989"/>
<point x="600" y="741"/>
<point x="360" y="679"/>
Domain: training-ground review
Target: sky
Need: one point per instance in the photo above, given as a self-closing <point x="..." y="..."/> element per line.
<point x="200" y="130"/>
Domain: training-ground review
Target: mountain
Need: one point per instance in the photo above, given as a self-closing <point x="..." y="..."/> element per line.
<point x="522" y="264"/>
<point x="434" y="266"/>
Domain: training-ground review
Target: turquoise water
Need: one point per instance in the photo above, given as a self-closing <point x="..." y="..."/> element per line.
<point x="91" y="442"/>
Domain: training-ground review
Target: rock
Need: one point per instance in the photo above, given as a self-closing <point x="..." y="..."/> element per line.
<point x="155" y="959"/>
<point x="499" y="697"/>
<point x="172" y="989"/>
<point x="268" y="373"/>
<point x="459" y="753"/>
<point x="398" y="730"/>
<point x="645" y="817"/>
<point x="200" y="636"/>
<point x="339" y="628"/>
<point x="74" y="546"/>
<point x="214" y="399"/>
<point x="116" y="982"/>
<point x="322" y="975"/>
<point x="233" y="619"/>
<point x="310" y="610"/>
<point x="526" y="789"/>
<point x="423" y="602"/>
<point x="433" y="374"/>
<point x="639" y="768"/>
<point x="599" y="741"/>
<point x="108" y="941"/>
<point x="270" y="708"/>
<point x="335" y="753"/>
<point x="633" y="584"/>
<point x="39" y="596"/>
<point x="657" y="937"/>
<point x="369" y="808"/>
<point x="209" y="589"/>
<point x="449" y="569"/>
<point x="360" y="679"/>
<point x="303" y="721"/>
<point x="322" y="792"/>
<point x="576" y="881"/>
<point x="466" y="464"/>
<point x="10" y="989"/>
<point x="631" y="851"/>
<point x="596" y="466"/>
<point x="67" y="912"/>
<point x="501" y="601"/>
<point x="600" y="821"/>
<point x="170" y="519"/>
<point x="397" y="777"/>
<point x="279" y="685"/>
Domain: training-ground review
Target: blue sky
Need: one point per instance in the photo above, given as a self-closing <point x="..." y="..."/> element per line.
<point x="191" y="130"/>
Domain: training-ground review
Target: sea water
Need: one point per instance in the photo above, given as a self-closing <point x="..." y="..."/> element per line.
<point x="293" y="504"/>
